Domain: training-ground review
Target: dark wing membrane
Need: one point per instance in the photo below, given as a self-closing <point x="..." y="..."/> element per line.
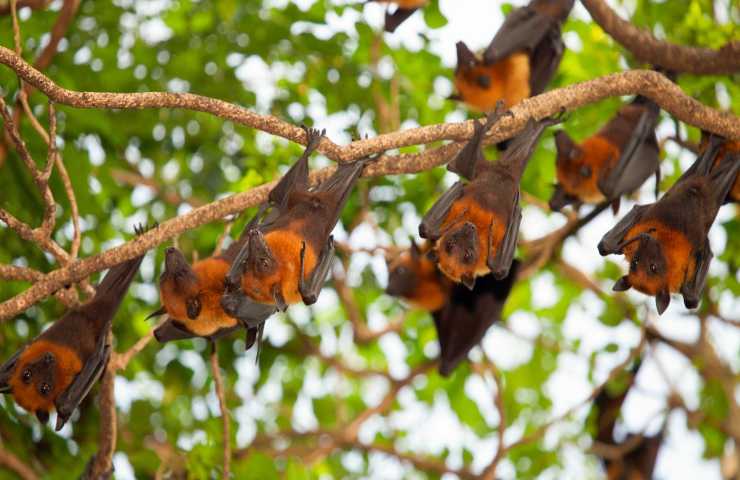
<point x="502" y="262"/>
<point x="431" y="224"/>
<point x="611" y="242"/>
<point x="393" y="20"/>
<point x="462" y="323"/>
<point x="523" y="29"/>
<point x="694" y="286"/>
<point x="6" y="371"/>
<point x="639" y="157"/>
<point x="340" y="185"/>
<point x="545" y="60"/>
<point x="110" y="292"/>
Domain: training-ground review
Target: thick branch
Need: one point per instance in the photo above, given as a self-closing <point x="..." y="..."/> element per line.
<point x="678" y="58"/>
<point x="103" y="461"/>
<point x="219" y="383"/>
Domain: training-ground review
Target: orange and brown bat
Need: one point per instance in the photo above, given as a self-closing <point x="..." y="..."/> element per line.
<point x="729" y="151"/>
<point x="614" y="161"/>
<point x="191" y="298"/>
<point x="638" y="462"/>
<point x="60" y="366"/>
<point x="287" y="255"/>
<point x="461" y="316"/>
<point x="403" y="10"/>
<point x="666" y="241"/>
<point x="474" y="226"/>
<point x="519" y="62"/>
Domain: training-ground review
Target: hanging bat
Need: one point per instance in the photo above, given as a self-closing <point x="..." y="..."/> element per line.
<point x="60" y="366"/>
<point x="474" y="226"/>
<point x="729" y="151"/>
<point x="638" y="462"/>
<point x="191" y="298"/>
<point x="666" y="241"/>
<point x="614" y="161"/>
<point x="461" y="316"/>
<point x="404" y="9"/>
<point x="519" y="62"/>
<point x="287" y="255"/>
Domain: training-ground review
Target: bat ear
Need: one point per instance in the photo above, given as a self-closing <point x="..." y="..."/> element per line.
<point x="277" y="294"/>
<point x="6" y="370"/>
<point x="42" y="416"/>
<point x="662" y="300"/>
<point x="169" y="331"/>
<point x="468" y="281"/>
<point x="564" y="144"/>
<point x="415" y="250"/>
<point x="193" y="306"/>
<point x="622" y="284"/>
<point x="157" y="313"/>
<point x="465" y="57"/>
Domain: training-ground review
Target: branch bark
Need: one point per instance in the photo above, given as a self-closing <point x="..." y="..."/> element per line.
<point x="678" y="58"/>
<point x="14" y="464"/>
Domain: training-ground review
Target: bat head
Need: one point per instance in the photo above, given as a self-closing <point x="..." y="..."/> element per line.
<point x="42" y="372"/>
<point x="179" y="287"/>
<point x="576" y="178"/>
<point x="648" y="269"/>
<point x="403" y="272"/>
<point x="261" y="273"/>
<point x="466" y="59"/>
<point x="458" y="252"/>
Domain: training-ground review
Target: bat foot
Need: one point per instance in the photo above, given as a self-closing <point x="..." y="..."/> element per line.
<point x="313" y="137"/>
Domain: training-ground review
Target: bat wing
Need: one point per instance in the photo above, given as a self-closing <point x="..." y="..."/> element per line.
<point x="611" y="242"/>
<point x="638" y="160"/>
<point x="250" y="314"/>
<point x="340" y="185"/>
<point x="464" y="320"/>
<point x="545" y="60"/>
<point x="523" y="29"/>
<point x="431" y="224"/>
<point x="310" y="290"/>
<point x="395" y="19"/>
<point x="6" y="370"/>
<point x="501" y="263"/>
<point x="74" y="394"/>
<point x="296" y="178"/>
<point x="694" y="286"/>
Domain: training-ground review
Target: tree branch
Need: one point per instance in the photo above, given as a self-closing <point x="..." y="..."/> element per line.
<point x="14" y="464"/>
<point x="678" y="58"/>
<point x="32" y="4"/>
<point x="219" y="383"/>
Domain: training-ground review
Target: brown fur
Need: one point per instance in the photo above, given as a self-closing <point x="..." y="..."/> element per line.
<point x="209" y="288"/>
<point x="600" y="156"/>
<point x="509" y="82"/>
<point x="285" y="246"/>
<point x="432" y="290"/>
<point x="679" y="258"/>
<point x="68" y="364"/>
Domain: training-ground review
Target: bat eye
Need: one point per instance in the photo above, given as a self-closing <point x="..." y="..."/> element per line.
<point x="26" y="377"/>
<point x="468" y="256"/>
<point x="633" y="264"/>
<point x="585" y="171"/>
<point x="653" y="268"/>
<point x="44" y="389"/>
<point x="401" y="271"/>
<point x="193" y="307"/>
<point x="449" y="246"/>
<point x="573" y="154"/>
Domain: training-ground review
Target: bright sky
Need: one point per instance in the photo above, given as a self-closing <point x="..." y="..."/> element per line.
<point x="473" y="21"/>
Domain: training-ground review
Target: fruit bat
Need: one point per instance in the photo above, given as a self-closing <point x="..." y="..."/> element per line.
<point x="474" y="226"/>
<point x="729" y="151"/>
<point x="461" y="316"/>
<point x="666" y="241"/>
<point x="191" y="297"/>
<point x="404" y="9"/>
<point x="639" y="462"/>
<point x="614" y="161"/>
<point x="520" y="60"/>
<point x="60" y="366"/>
<point x="287" y="255"/>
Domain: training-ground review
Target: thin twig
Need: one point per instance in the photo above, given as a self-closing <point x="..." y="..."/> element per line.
<point x="219" y="383"/>
<point x="14" y="464"/>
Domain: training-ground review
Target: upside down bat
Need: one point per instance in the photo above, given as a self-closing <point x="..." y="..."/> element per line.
<point x="520" y="60"/>
<point x="287" y="255"/>
<point x="666" y="241"/>
<point x="191" y="297"/>
<point x="729" y="151"/>
<point x="461" y="316"/>
<point x="474" y="226"/>
<point x="614" y="161"/>
<point x="404" y="9"/>
<point x="60" y="366"/>
<point x="639" y="461"/>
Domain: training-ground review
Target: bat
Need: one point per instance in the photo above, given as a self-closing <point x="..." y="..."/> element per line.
<point x="474" y="226"/>
<point x="461" y="316"/>
<point x="191" y="298"/>
<point x="614" y="161"/>
<point x="60" y="366"/>
<point x="519" y="62"/>
<point x="404" y="9"/>
<point x="638" y="462"/>
<point x="286" y="256"/>
<point x="666" y="241"/>
<point x="729" y="151"/>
